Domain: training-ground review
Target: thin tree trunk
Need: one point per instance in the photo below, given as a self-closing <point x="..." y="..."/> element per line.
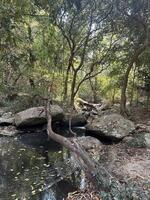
<point x="31" y="57"/>
<point x="94" y="89"/>
<point x="70" y="64"/>
<point x="73" y="88"/>
<point x="123" y="92"/>
<point x="126" y="77"/>
<point x="113" y="95"/>
<point x="71" y="145"/>
<point x="66" y="84"/>
<point x="132" y="89"/>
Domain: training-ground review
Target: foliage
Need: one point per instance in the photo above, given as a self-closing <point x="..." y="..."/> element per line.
<point x="74" y="47"/>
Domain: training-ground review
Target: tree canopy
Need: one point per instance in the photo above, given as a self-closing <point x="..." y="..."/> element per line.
<point x="72" y="44"/>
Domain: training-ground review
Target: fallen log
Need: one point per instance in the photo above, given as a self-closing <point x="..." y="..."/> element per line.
<point x="102" y="179"/>
<point x="82" y="104"/>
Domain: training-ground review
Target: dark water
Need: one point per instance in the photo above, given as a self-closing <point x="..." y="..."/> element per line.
<point x="31" y="167"/>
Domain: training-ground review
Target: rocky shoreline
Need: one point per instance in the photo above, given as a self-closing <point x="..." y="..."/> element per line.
<point x="125" y="154"/>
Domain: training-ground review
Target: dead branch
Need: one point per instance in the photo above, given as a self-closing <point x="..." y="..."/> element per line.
<point x="69" y="144"/>
<point x="98" y="174"/>
<point x="83" y="103"/>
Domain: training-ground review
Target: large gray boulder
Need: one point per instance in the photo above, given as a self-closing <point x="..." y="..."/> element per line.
<point x="112" y="126"/>
<point x="37" y="116"/>
<point x="141" y="140"/>
<point x="89" y="142"/>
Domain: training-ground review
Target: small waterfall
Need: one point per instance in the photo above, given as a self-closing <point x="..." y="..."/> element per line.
<point x="49" y="195"/>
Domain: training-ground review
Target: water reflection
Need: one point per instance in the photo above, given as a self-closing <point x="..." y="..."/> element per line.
<point x="29" y="173"/>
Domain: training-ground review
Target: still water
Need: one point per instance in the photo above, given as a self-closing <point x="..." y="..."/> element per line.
<point x="36" y="172"/>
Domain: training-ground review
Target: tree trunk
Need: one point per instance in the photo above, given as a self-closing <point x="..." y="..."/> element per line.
<point x="70" y="64"/>
<point x="125" y="81"/>
<point x="69" y="144"/>
<point x="123" y="92"/>
<point x="72" y="145"/>
<point x="66" y="84"/>
<point x="104" y="182"/>
<point x="73" y="88"/>
<point x="133" y="87"/>
<point x="94" y="89"/>
<point x="113" y="95"/>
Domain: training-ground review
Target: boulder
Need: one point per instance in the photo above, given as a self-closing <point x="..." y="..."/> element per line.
<point x="8" y="131"/>
<point x="89" y="142"/>
<point x="115" y="109"/>
<point x="76" y="120"/>
<point x="37" y="116"/>
<point x="91" y="145"/>
<point x="143" y="128"/>
<point x="141" y="140"/>
<point x="113" y="126"/>
<point x="7" y="119"/>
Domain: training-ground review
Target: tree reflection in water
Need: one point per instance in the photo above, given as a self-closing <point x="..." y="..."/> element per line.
<point x="32" y="173"/>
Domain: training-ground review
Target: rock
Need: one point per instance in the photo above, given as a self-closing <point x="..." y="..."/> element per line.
<point x="2" y="111"/>
<point x="114" y="109"/>
<point x="8" y="131"/>
<point x="112" y="126"/>
<point x="7" y="115"/>
<point x="91" y="145"/>
<point x="7" y="119"/>
<point x="37" y="116"/>
<point x="89" y="142"/>
<point x="76" y="120"/>
<point x="141" y="140"/>
<point x="6" y="122"/>
<point x="143" y="128"/>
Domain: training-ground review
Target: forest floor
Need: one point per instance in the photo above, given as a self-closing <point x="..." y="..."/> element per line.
<point x="127" y="164"/>
<point x="140" y="115"/>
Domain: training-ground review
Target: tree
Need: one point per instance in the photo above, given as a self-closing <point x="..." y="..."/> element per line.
<point x="144" y="74"/>
<point x="101" y="178"/>
<point x="14" y="50"/>
<point x="134" y="16"/>
<point x="88" y="40"/>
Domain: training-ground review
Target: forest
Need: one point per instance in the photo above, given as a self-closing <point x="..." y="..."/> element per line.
<point x="74" y="99"/>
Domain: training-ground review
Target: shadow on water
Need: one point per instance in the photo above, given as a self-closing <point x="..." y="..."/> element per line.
<point x="103" y="139"/>
<point x="33" y="167"/>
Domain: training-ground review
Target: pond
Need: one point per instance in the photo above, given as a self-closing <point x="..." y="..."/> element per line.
<point x="34" y="168"/>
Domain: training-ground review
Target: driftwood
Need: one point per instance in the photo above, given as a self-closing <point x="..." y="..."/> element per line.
<point x="83" y="103"/>
<point x="69" y="144"/>
<point x="98" y="107"/>
<point x="99" y="175"/>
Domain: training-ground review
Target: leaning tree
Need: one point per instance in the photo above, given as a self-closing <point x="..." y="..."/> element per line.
<point x="133" y="24"/>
